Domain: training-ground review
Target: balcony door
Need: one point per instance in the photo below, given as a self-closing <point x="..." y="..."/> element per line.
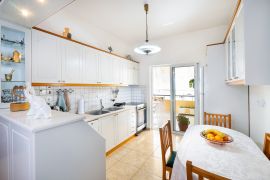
<point x="175" y="91"/>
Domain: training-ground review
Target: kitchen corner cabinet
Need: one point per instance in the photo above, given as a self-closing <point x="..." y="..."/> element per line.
<point x="247" y="45"/>
<point x="57" y="60"/>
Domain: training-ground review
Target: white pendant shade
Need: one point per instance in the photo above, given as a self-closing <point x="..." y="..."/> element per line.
<point x="147" y="49"/>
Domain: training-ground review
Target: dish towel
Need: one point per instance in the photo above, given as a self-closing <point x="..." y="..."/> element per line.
<point x="61" y="103"/>
<point x="67" y="101"/>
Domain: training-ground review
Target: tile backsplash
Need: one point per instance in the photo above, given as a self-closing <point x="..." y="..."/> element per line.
<point x="92" y="95"/>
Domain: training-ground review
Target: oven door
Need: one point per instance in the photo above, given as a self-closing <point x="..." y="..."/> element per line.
<point x="141" y="121"/>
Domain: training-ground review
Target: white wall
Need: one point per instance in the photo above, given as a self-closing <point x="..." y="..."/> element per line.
<point x="221" y="98"/>
<point x="88" y="34"/>
<point x="180" y="49"/>
<point x="259" y="113"/>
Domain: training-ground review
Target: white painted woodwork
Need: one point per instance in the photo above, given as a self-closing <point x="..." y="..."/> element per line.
<point x="90" y="66"/>
<point x="21" y="167"/>
<point x="115" y="128"/>
<point x="72" y="54"/>
<point x="57" y="60"/>
<point x="96" y="125"/>
<point x="4" y="151"/>
<point x="122" y="126"/>
<point x="64" y="147"/>
<point x="105" y="68"/>
<point x="46" y="58"/>
<point x="108" y="130"/>
<point x="247" y="56"/>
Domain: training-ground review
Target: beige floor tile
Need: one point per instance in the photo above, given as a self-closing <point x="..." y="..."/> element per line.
<point x="157" y="153"/>
<point x="124" y="170"/>
<point x="153" y="166"/>
<point x="110" y="161"/>
<point x="144" y="175"/>
<point x="145" y="148"/>
<point x="119" y="153"/>
<point x="135" y="158"/>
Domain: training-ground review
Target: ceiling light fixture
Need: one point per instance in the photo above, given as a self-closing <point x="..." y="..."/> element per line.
<point x="25" y="12"/>
<point x="147" y="48"/>
<point x="41" y="1"/>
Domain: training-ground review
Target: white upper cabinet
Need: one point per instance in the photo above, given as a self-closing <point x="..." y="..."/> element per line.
<point x="90" y="66"/>
<point x="46" y="60"/>
<point x="57" y="60"/>
<point x="247" y="45"/>
<point x="72" y="54"/>
<point x="105" y="68"/>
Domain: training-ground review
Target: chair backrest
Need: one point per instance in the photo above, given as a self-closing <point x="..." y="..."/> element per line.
<point x="165" y="140"/>
<point x="266" y="147"/>
<point x="222" y="120"/>
<point x="202" y="174"/>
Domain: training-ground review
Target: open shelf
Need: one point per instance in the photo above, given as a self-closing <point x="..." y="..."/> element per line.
<point x="11" y="42"/>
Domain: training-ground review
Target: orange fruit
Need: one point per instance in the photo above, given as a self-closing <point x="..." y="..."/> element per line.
<point x="225" y="138"/>
<point x="218" y="138"/>
<point x="210" y="136"/>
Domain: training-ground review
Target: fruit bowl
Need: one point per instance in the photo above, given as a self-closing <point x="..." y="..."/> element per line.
<point x="216" y="137"/>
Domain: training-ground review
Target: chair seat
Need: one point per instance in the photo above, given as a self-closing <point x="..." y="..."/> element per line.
<point x="171" y="159"/>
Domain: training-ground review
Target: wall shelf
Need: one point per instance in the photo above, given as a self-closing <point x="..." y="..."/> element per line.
<point x="74" y="84"/>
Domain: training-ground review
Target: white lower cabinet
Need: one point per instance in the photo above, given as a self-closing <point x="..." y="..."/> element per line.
<point x="108" y="127"/>
<point x="4" y="150"/>
<point x="116" y="128"/>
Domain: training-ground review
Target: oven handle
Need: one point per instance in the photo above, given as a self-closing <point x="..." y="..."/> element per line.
<point x="142" y="109"/>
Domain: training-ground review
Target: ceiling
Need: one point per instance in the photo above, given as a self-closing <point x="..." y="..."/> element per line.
<point x="38" y="10"/>
<point x="125" y="19"/>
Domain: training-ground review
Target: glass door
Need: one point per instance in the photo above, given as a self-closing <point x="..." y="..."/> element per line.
<point x="184" y="101"/>
<point x="161" y="95"/>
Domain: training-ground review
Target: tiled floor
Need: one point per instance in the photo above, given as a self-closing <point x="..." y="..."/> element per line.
<point x="139" y="159"/>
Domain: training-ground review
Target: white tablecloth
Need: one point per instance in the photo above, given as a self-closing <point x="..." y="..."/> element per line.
<point x="239" y="160"/>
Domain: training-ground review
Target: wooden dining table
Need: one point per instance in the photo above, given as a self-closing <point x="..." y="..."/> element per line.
<point x="241" y="159"/>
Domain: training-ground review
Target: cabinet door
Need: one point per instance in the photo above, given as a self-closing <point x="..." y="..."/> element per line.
<point x="108" y="131"/>
<point x="116" y="70"/>
<point x="71" y="62"/>
<point x="136" y="74"/>
<point x="4" y="151"/>
<point x="46" y="60"/>
<point x="239" y="45"/>
<point x="122" y="126"/>
<point x="20" y="156"/>
<point x="95" y="125"/>
<point x="90" y="66"/>
<point x="124" y="72"/>
<point x="105" y="68"/>
<point x="132" y="122"/>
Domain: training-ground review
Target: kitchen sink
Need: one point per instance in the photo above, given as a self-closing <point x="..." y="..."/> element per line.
<point x="113" y="108"/>
<point x="98" y="112"/>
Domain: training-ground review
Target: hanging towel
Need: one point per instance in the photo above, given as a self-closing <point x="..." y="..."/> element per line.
<point x="61" y="102"/>
<point x="67" y="101"/>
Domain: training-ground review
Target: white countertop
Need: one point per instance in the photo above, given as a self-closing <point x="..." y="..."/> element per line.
<point x="35" y="125"/>
<point x="89" y="117"/>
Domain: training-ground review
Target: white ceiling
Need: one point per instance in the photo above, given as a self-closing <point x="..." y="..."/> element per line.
<point x="125" y="19"/>
<point x="10" y="10"/>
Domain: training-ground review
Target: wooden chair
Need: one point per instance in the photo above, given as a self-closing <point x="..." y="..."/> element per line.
<point x="166" y="143"/>
<point x="201" y="173"/>
<point x="266" y="147"/>
<point x="218" y="120"/>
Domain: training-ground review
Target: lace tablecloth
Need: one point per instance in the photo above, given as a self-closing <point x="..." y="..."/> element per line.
<point x="239" y="160"/>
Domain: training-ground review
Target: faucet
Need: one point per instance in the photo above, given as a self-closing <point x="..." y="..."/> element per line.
<point x="101" y="105"/>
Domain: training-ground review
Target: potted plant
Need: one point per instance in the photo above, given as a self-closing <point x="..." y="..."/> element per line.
<point x="183" y="122"/>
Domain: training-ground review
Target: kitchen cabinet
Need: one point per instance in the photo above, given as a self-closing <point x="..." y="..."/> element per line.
<point x="96" y="125"/>
<point x="64" y="147"/>
<point x="46" y="58"/>
<point x="247" y="55"/>
<point x="122" y="126"/>
<point x="116" y="128"/>
<point x="108" y="130"/>
<point x="90" y="66"/>
<point x="105" y="68"/>
<point x="72" y="55"/>
<point x="57" y="60"/>
<point x="132" y="122"/>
